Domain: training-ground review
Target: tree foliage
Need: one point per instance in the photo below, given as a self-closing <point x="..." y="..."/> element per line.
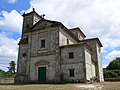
<point x="10" y="72"/>
<point x="112" y="74"/>
<point x="115" y="64"/>
<point x="113" y="69"/>
<point x="6" y="74"/>
<point x="12" y="67"/>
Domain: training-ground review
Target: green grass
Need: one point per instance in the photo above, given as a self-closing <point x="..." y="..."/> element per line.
<point x="78" y="86"/>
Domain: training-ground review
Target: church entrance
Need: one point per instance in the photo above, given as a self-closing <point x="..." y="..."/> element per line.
<point x="41" y="74"/>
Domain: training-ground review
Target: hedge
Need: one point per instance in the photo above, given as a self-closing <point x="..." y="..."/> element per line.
<point x="112" y="79"/>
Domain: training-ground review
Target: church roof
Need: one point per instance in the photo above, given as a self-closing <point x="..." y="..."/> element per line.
<point x="56" y="23"/>
<point x="77" y="28"/>
<point x="92" y="39"/>
<point x="53" y="22"/>
<point x="84" y="44"/>
<point x="69" y="32"/>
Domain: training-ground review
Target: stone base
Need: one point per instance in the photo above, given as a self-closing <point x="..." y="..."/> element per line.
<point x="22" y="78"/>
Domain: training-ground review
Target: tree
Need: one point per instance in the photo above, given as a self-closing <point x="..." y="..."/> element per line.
<point x="113" y="69"/>
<point x="12" y="67"/>
<point x="2" y="73"/>
<point x="114" y="65"/>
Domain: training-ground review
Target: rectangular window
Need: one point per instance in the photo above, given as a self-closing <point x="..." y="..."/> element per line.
<point x="71" y="72"/>
<point x="43" y="43"/>
<point x="71" y="55"/>
<point x="67" y="41"/>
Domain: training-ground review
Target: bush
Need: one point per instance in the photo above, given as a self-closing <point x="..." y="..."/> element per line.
<point x="112" y="74"/>
<point x="4" y="74"/>
<point x="112" y="79"/>
<point x="93" y="79"/>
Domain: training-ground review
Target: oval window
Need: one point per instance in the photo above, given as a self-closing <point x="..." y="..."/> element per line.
<point x="24" y="54"/>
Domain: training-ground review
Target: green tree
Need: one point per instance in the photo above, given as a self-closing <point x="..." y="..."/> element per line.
<point x="12" y="67"/>
<point x="114" y="65"/>
<point x="113" y="69"/>
<point x="2" y="73"/>
<point x="112" y="74"/>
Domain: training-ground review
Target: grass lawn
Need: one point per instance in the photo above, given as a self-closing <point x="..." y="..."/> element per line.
<point x="78" y="86"/>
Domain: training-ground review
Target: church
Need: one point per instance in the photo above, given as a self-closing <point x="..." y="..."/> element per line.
<point x="49" y="52"/>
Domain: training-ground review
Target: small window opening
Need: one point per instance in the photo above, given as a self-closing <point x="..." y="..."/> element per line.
<point x="43" y="43"/>
<point x="67" y="41"/>
<point x="71" y="55"/>
<point x="71" y="73"/>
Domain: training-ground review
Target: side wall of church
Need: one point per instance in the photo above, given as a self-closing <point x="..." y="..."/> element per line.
<point x="93" y="69"/>
<point x="100" y="68"/>
<point x="63" y="37"/>
<point x="96" y="57"/>
<point x="76" y="64"/>
<point x="88" y="64"/>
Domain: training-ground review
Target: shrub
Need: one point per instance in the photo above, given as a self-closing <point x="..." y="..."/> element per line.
<point x="93" y="79"/>
<point x="112" y="79"/>
<point x="111" y="73"/>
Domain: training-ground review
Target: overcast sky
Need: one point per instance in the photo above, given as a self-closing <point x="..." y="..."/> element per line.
<point x="96" y="18"/>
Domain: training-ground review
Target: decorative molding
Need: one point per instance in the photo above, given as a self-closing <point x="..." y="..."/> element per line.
<point x="42" y="62"/>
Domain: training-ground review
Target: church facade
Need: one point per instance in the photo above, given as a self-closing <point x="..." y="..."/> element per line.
<point x="49" y="52"/>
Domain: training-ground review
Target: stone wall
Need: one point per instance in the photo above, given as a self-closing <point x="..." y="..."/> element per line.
<point x="99" y="58"/>
<point x="63" y="36"/>
<point x="50" y="53"/>
<point x="47" y="61"/>
<point x="77" y="63"/>
<point x="77" y="33"/>
<point x="6" y="80"/>
<point x="23" y="49"/>
<point x="93" y="69"/>
<point x="96" y="57"/>
<point x="88" y="64"/>
<point x="50" y="36"/>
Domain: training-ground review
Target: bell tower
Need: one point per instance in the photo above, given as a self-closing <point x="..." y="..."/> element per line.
<point x="29" y="20"/>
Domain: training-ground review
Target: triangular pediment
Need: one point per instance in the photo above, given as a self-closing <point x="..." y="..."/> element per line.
<point x="43" y="24"/>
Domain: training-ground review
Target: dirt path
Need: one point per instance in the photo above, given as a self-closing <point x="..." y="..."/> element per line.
<point x="91" y="87"/>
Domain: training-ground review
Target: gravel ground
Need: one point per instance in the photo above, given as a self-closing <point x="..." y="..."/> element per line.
<point x="91" y="87"/>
